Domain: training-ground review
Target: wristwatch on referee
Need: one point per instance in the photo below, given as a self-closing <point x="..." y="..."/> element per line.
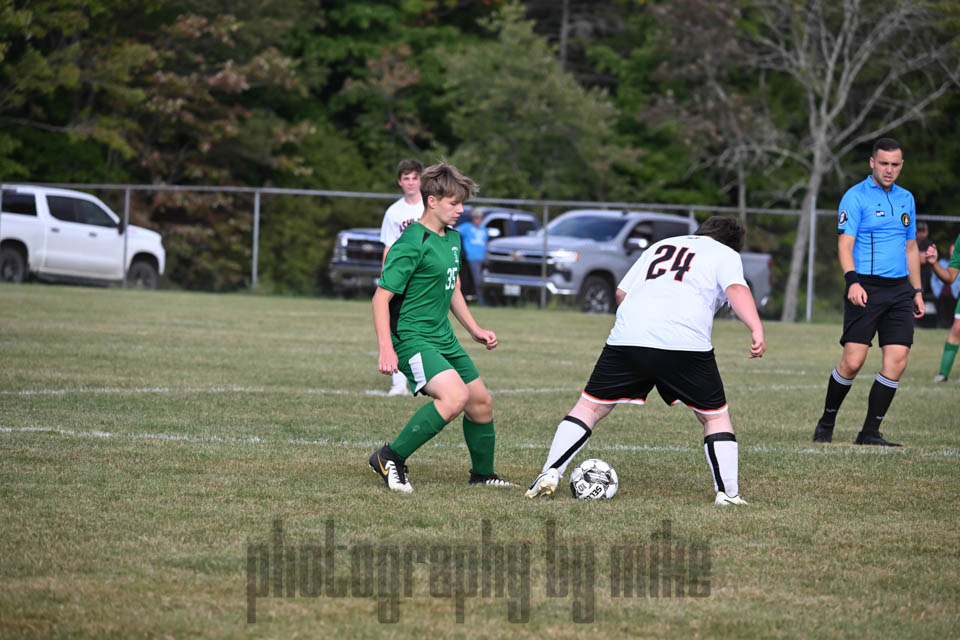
<point x="918" y="290"/>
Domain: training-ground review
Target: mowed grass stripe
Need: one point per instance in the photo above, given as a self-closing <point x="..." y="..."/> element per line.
<point x="366" y="444"/>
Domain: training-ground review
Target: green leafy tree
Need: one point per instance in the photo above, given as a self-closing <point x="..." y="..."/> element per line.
<point x="67" y="70"/>
<point x="713" y="103"/>
<point x="635" y="61"/>
<point x="382" y="73"/>
<point x="173" y="93"/>
<point x="297" y="232"/>
<point x="523" y="127"/>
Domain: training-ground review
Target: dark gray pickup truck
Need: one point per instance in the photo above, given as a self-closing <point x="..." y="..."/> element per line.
<point x="587" y="253"/>
<point x="355" y="266"/>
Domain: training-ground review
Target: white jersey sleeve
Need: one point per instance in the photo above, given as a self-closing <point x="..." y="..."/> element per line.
<point x="730" y="272"/>
<point x="388" y="230"/>
<point x="672" y="293"/>
<point x="628" y="280"/>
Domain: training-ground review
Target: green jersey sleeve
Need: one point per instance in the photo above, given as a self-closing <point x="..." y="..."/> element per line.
<point x="402" y="261"/>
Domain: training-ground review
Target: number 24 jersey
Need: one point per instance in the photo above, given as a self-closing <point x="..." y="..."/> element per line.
<point x="673" y="291"/>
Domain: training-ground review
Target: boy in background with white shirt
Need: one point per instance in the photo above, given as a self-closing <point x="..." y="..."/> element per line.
<point x="400" y="215"/>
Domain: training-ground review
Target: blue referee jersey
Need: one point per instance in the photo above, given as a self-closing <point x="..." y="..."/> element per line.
<point x="882" y="222"/>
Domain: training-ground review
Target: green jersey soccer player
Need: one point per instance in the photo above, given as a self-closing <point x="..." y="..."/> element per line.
<point x="419" y="286"/>
<point x="948" y="275"/>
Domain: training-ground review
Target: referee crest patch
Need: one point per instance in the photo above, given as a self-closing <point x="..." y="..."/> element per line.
<point x="843" y="217"/>
<point x="905" y="219"/>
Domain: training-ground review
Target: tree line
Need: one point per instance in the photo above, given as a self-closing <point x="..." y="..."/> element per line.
<point x="720" y="102"/>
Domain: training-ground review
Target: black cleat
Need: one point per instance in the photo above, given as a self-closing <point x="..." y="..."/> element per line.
<point x="492" y="480"/>
<point x="875" y="438"/>
<point x="823" y="432"/>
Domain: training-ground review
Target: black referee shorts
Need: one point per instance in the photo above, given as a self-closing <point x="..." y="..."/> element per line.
<point x="888" y="314"/>
<point x="627" y="374"/>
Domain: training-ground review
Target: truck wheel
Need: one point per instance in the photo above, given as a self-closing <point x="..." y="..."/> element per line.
<point x="142" y="275"/>
<point x="13" y="266"/>
<point x="597" y="296"/>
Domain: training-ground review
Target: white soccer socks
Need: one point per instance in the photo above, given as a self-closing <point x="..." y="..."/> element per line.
<point x="571" y="436"/>
<point x="398" y="385"/>
<point x="723" y="459"/>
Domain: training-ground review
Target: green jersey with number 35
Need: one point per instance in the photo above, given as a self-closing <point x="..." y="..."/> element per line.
<point x="421" y="270"/>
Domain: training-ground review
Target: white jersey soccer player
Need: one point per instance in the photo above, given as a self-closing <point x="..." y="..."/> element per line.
<point x="398" y="216"/>
<point x="661" y="339"/>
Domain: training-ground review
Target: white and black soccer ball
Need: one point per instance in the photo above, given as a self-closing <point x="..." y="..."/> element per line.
<point x="594" y="479"/>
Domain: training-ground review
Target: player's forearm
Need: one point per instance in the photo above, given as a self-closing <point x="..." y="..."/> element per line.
<point x="381" y="317"/>
<point x="913" y="264"/>
<point x="946" y="274"/>
<point x="458" y="305"/>
<point x="742" y="303"/>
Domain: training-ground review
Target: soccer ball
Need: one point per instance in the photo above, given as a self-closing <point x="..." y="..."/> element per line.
<point x="594" y="479"/>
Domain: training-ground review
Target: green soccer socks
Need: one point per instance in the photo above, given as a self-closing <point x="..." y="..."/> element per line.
<point x="946" y="362"/>
<point x="425" y="423"/>
<point x="480" y="439"/>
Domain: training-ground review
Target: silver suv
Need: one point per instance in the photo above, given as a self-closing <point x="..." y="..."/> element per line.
<point x="586" y="253"/>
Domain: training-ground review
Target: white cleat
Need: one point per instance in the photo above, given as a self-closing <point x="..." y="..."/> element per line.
<point x="545" y="484"/>
<point x="723" y="499"/>
<point x="393" y="472"/>
<point x="939" y="378"/>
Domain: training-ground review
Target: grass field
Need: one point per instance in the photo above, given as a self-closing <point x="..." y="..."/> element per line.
<point x="156" y="446"/>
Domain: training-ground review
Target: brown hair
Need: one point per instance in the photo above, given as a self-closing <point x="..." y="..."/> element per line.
<point x="724" y="229"/>
<point x="444" y="181"/>
<point x="407" y="166"/>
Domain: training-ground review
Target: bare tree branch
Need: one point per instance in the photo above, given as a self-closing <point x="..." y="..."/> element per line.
<point x="42" y="126"/>
<point x="854" y="63"/>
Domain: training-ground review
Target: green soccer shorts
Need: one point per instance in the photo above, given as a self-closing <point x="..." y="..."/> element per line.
<point x="421" y="366"/>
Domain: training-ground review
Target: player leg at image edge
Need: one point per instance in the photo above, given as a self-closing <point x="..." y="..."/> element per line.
<point x="950" y="348"/>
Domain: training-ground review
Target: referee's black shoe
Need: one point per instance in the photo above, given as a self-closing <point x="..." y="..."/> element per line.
<point x="874" y="437"/>
<point x="823" y="432"/>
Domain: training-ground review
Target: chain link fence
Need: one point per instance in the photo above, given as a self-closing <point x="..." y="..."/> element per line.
<point x="277" y="240"/>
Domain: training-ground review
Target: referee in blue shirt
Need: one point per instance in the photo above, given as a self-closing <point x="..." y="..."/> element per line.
<point x="881" y="264"/>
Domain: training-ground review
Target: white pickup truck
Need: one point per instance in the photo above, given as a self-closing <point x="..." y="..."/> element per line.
<point x="60" y="234"/>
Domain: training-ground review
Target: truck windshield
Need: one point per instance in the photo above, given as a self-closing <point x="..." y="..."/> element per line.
<point x="599" y="228"/>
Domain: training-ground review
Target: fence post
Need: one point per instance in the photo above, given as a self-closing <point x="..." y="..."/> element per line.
<point x="543" y="261"/>
<point x="126" y="231"/>
<point x="811" y="250"/>
<point x="256" y="239"/>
